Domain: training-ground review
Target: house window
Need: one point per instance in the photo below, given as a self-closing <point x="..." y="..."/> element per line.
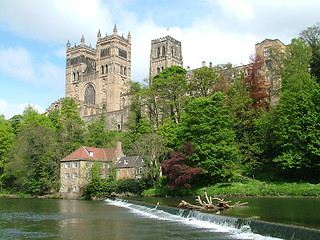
<point x="108" y="165"/>
<point x="74" y="175"/>
<point x="266" y="52"/>
<point x="139" y="170"/>
<point x="90" y="154"/>
<point x="74" y="165"/>
<point x="118" y="172"/>
<point x="67" y="175"/>
<point x="88" y="175"/>
<point x="67" y="165"/>
<point x="75" y="188"/>
<point x="89" y="164"/>
<point x="269" y="65"/>
<point x="102" y="175"/>
<point x="125" y="162"/>
<point x="103" y="165"/>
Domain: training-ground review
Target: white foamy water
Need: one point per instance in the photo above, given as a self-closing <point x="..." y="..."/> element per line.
<point x="243" y="233"/>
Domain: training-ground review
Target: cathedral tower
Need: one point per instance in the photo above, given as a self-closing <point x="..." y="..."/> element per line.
<point x="165" y="52"/>
<point x="99" y="79"/>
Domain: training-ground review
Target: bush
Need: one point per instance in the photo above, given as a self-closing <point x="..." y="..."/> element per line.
<point x="105" y="187"/>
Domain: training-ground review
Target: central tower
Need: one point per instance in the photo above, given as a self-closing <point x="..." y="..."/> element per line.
<point x="165" y="52"/>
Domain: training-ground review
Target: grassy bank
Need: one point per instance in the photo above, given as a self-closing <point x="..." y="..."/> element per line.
<point x="250" y="188"/>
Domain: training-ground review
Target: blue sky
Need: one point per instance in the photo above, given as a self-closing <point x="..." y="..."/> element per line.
<point x="34" y="33"/>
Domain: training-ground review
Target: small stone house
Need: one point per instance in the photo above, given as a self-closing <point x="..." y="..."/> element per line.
<point x="75" y="168"/>
<point x="132" y="167"/>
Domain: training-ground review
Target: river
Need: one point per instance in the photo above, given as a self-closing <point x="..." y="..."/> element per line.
<point x="110" y="219"/>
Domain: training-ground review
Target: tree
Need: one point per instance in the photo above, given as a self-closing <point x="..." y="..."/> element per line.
<point x="168" y="90"/>
<point x="6" y="139"/>
<point x="296" y="121"/>
<point x="151" y="147"/>
<point x="256" y="83"/>
<point x="72" y="131"/>
<point x="244" y="116"/>
<point x="33" y="161"/>
<point x="206" y="124"/>
<point x="177" y="168"/>
<point x="312" y="37"/>
<point x="99" y="136"/>
<point x="203" y="81"/>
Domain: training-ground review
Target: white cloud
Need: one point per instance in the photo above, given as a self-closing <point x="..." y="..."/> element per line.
<point x="11" y="109"/>
<point x="18" y="63"/>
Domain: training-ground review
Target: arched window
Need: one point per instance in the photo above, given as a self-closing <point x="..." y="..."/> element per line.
<point x="90" y="95"/>
<point x="106" y="69"/>
<point x="102" y="69"/>
<point x="78" y="76"/>
<point x="163" y="51"/>
<point x="73" y="77"/>
<point x="158" y="70"/>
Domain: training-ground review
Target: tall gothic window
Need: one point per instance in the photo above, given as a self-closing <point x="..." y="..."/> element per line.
<point x="90" y="95"/>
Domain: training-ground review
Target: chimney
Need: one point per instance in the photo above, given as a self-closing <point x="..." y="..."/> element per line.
<point x="203" y="63"/>
<point x="119" y="152"/>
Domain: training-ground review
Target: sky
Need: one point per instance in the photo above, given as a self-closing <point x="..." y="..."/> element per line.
<point x="34" y="33"/>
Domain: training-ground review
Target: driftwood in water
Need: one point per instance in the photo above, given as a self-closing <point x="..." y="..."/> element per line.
<point x="209" y="205"/>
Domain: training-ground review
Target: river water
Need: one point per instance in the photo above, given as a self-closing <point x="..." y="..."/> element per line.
<point x="113" y="219"/>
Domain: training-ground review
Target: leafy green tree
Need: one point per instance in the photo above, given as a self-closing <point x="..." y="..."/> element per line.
<point x="207" y="125"/>
<point x="203" y="81"/>
<point x="33" y="160"/>
<point x="6" y="139"/>
<point x="98" y="135"/>
<point x="72" y="130"/>
<point x="244" y="116"/>
<point x="312" y="37"/>
<point x="296" y="121"/>
<point x="168" y="90"/>
<point x="151" y="147"/>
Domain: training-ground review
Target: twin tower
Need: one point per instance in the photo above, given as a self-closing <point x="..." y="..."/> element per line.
<point x="99" y="79"/>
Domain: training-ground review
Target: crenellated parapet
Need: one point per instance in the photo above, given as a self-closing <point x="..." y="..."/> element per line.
<point x="164" y="39"/>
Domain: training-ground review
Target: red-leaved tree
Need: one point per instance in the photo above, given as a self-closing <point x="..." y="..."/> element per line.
<point x="177" y="170"/>
<point x="256" y="83"/>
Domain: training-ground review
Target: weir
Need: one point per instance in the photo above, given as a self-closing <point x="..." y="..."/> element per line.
<point x="274" y="230"/>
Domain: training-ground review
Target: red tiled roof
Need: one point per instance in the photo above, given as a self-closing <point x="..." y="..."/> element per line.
<point x="107" y="154"/>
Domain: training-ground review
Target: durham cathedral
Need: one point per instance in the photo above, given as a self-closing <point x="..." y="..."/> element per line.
<point x="99" y="79"/>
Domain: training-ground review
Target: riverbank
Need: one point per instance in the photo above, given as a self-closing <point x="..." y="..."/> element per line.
<point x="249" y="188"/>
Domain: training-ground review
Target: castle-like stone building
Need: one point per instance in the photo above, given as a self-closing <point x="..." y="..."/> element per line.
<point x="99" y="79"/>
<point x="165" y="52"/>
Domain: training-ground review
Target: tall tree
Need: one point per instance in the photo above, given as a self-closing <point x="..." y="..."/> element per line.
<point x="168" y="90"/>
<point x="6" y="139"/>
<point x="256" y="83"/>
<point x="33" y="160"/>
<point x="312" y="36"/>
<point x="296" y="122"/>
<point x="151" y="147"/>
<point x="203" y="81"/>
<point x="206" y="124"/>
<point x="244" y="116"/>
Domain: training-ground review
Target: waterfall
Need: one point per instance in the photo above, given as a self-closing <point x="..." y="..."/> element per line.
<point x="239" y="227"/>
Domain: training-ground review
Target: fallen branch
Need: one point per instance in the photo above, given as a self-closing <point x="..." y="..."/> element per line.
<point x="221" y="205"/>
